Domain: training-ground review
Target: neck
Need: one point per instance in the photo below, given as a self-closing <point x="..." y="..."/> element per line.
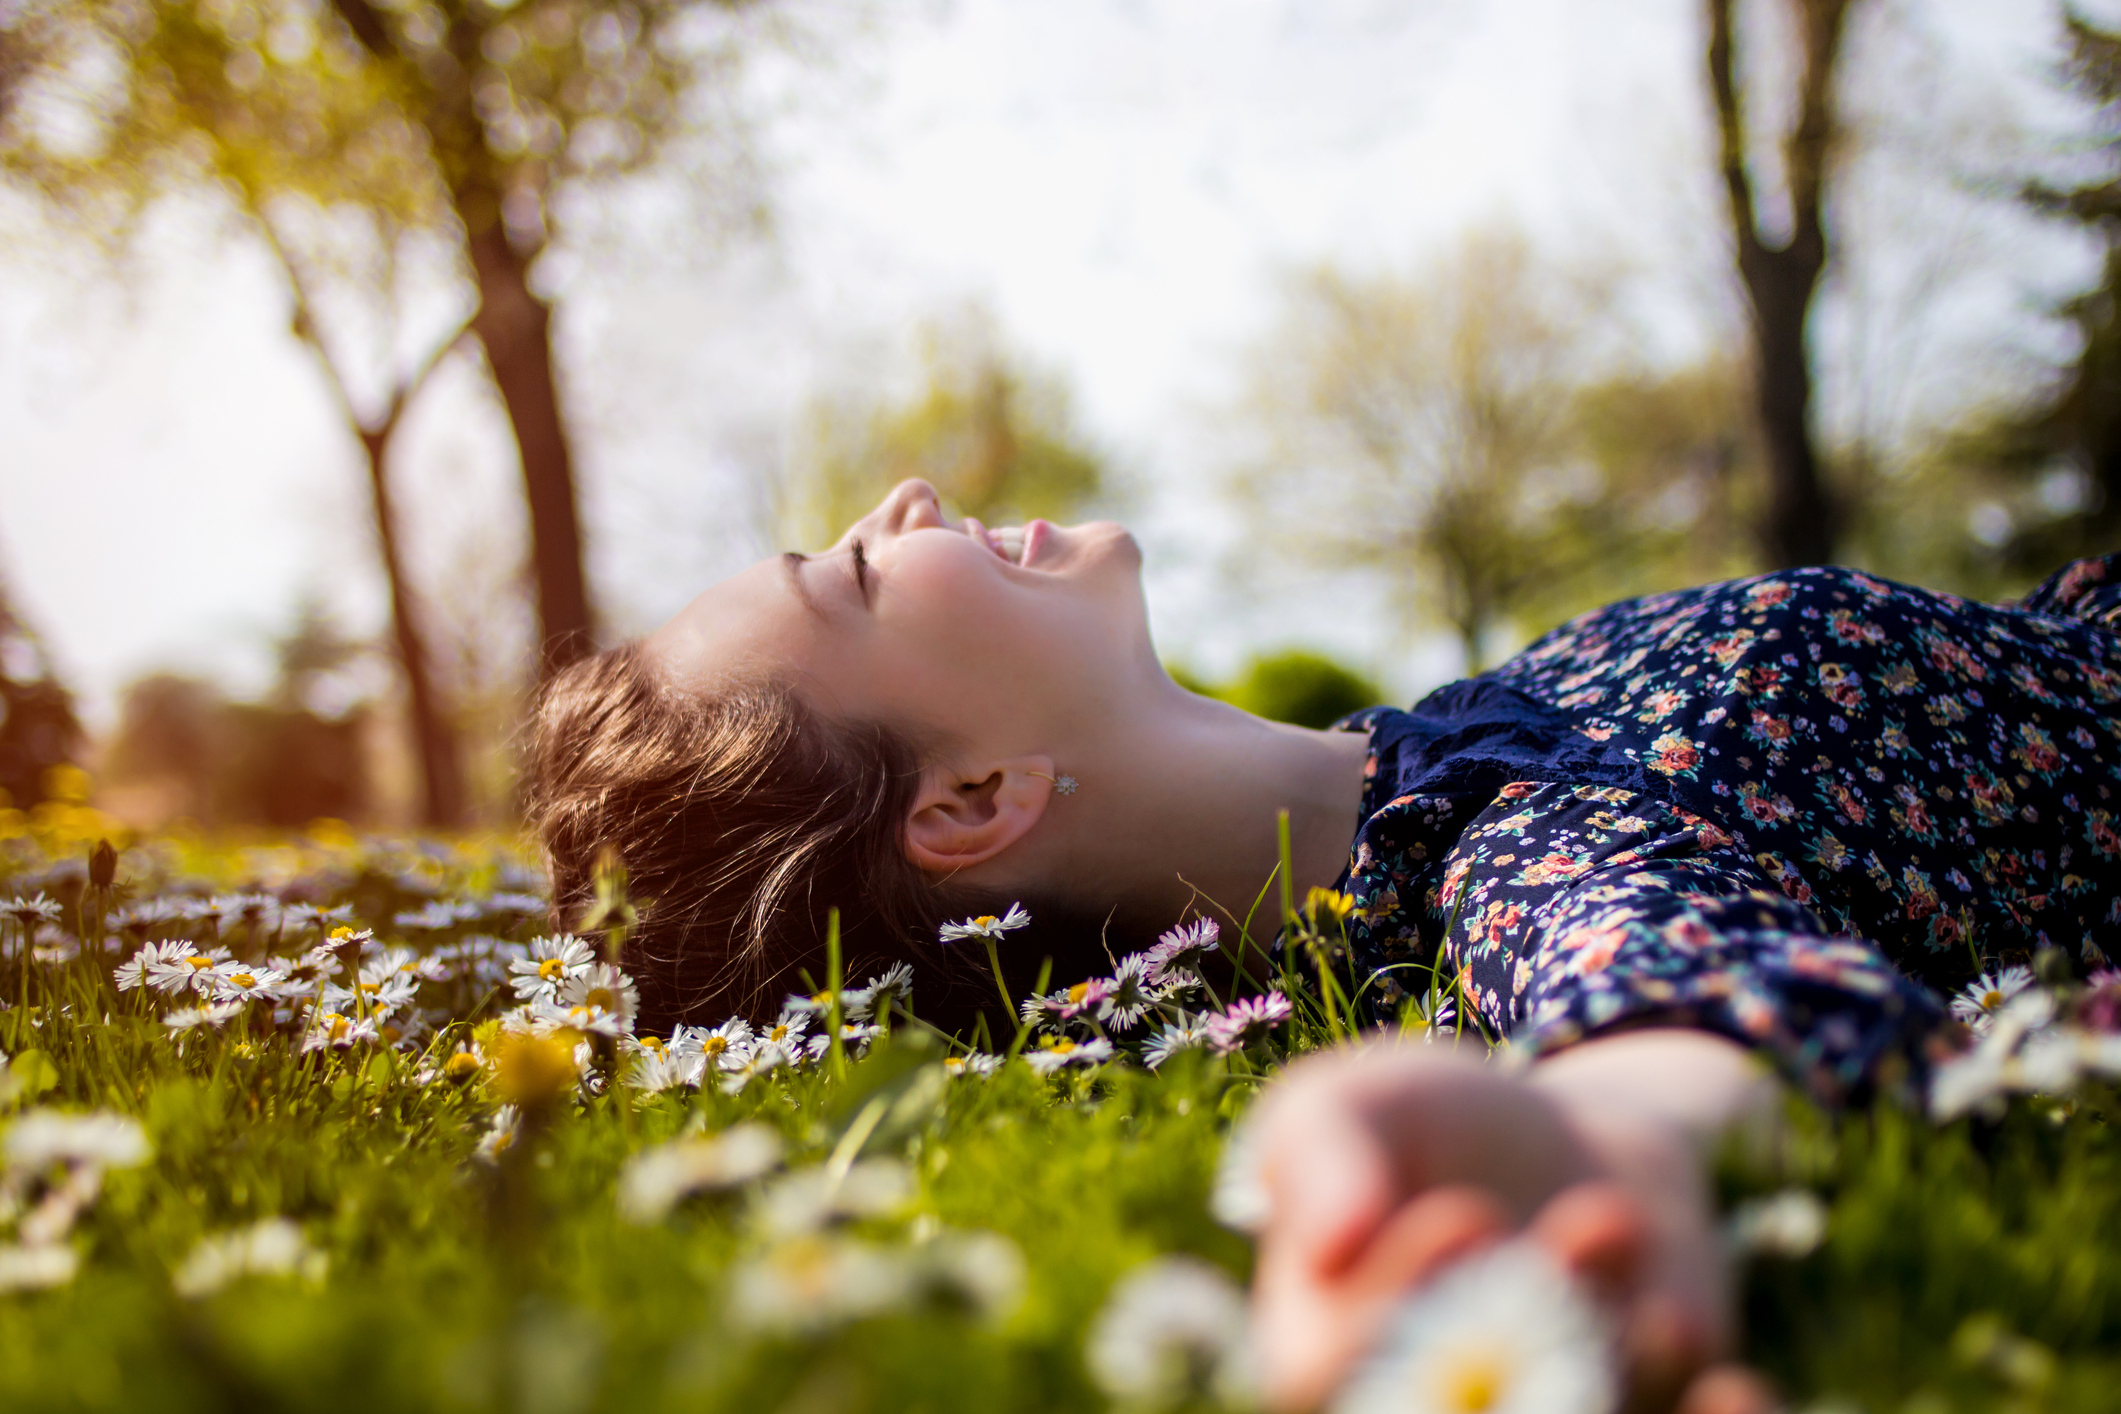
<point x="1181" y="809"/>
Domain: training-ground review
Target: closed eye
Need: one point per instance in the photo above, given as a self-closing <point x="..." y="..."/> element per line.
<point x="861" y="572"/>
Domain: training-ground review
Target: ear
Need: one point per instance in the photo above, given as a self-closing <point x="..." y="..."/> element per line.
<point x="966" y="817"/>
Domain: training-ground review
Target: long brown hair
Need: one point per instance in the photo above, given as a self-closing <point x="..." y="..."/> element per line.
<point x="741" y="816"/>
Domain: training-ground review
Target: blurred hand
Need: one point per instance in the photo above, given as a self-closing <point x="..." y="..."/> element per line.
<point x="1384" y="1165"/>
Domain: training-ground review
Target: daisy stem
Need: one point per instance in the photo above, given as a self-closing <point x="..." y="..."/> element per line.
<point x="1023" y="1030"/>
<point x="832" y="988"/>
<point x="994" y="961"/>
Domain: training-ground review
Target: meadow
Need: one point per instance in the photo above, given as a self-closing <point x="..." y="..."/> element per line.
<point x="326" y="1122"/>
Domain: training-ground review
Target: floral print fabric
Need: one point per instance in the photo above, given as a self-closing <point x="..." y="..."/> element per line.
<point x="1819" y="799"/>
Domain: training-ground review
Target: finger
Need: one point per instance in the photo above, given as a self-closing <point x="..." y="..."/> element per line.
<point x="1313" y="1329"/>
<point x="1328" y="1182"/>
<point x="1599" y="1232"/>
<point x="1728" y="1389"/>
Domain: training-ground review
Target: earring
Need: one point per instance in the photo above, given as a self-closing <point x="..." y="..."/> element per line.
<point x="1064" y="783"/>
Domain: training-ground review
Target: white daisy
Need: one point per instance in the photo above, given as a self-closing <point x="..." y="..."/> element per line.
<point x="246" y="983"/>
<point x="1505" y="1332"/>
<point x="215" y="1015"/>
<point x="601" y="999"/>
<point x="1247" y="1020"/>
<point x="892" y="989"/>
<point x="1172" y="1332"/>
<point x="37" y="1268"/>
<point x="501" y="1133"/>
<point x="655" y="1180"/>
<point x="719" y="1047"/>
<point x="657" y="1068"/>
<point x="1184" y="1034"/>
<point x="1131" y="997"/>
<point x="788" y="1031"/>
<point x="1181" y="945"/>
<point x="760" y="1059"/>
<point x="1985" y="995"/>
<point x="273" y="1247"/>
<point x="975" y="1063"/>
<point x="336" y="1031"/>
<point x="986" y="925"/>
<point x="552" y="963"/>
<point x="1059" y="1052"/>
<point x="41" y="1138"/>
<point x="149" y="963"/>
<point x="32" y="910"/>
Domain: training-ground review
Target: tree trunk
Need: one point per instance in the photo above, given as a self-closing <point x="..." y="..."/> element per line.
<point x="515" y="328"/>
<point x="434" y="735"/>
<point x="1802" y="520"/>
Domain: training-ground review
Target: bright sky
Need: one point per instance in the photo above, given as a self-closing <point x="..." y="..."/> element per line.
<point x="1121" y="181"/>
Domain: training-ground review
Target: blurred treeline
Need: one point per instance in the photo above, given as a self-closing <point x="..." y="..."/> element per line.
<point x="1485" y="433"/>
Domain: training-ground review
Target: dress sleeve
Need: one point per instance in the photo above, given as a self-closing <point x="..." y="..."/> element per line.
<point x="1565" y="911"/>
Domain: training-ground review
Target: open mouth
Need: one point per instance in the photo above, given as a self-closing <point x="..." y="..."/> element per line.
<point x="1015" y="544"/>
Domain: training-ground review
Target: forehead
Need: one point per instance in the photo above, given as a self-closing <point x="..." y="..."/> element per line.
<point x="754" y="622"/>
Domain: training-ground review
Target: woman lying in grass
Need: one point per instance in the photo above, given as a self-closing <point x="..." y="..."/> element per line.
<point x="1774" y="817"/>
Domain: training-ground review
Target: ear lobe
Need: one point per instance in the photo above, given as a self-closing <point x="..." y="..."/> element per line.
<point x="963" y="818"/>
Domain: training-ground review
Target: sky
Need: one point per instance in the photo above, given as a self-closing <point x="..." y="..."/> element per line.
<point x="1122" y="183"/>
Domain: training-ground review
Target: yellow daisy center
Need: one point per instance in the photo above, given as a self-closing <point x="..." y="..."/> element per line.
<point x="651" y="1043"/>
<point x="200" y="963"/>
<point x="778" y="1033"/>
<point x="1474" y="1384"/>
<point x="600" y="999"/>
<point x="1077" y="992"/>
<point x="1991" y="999"/>
<point x="715" y="1045"/>
<point x="244" y="980"/>
<point x="985" y="920"/>
<point x="550" y="968"/>
<point x="340" y="935"/>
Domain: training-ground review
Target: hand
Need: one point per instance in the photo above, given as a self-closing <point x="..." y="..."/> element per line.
<point x="1384" y="1165"/>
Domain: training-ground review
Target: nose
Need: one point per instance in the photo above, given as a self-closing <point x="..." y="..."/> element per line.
<point x="911" y="505"/>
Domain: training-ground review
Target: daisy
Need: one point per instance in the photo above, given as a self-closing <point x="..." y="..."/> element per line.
<point x="757" y="1061"/>
<point x="1172" y="1332"/>
<point x="1132" y="996"/>
<point x="247" y="983"/>
<point x="425" y="967"/>
<point x="274" y="1247"/>
<point x="189" y="970"/>
<point x="1070" y="1002"/>
<point x="976" y="1063"/>
<point x="1985" y="995"/>
<point x="438" y="915"/>
<point x="787" y="1032"/>
<point x="893" y="989"/>
<point x="1246" y="1021"/>
<point x="186" y="1018"/>
<point x="986" y="925"/>
<point x="337" y="1031"/>
<point x="552" y="963"/>
<point x="135" y="973"/>
<point x="1059" y="1052"/>
<point x="501" y="1133"/>
<point x="513" y="905"/>
<point x="1202" y="935"/>
<point x="309" y="915"/>
<point x="32" y="910"/>
<point x="655" y="1180"/>
<point x="1185" y="1034"/>
<point x="38" y="1140"/>
<point x="657" y="1069"/>
<point x="1506" y="1332"/>
<point x="725" y="1043"/>
<point x="138" y="920"/>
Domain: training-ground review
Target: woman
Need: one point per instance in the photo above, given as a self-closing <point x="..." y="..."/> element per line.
<point x="1674" y="833"/>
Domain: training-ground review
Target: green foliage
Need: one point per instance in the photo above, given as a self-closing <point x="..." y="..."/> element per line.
<point x="1971" y="1268"/>
<point x="997" y="439"/>
<point x="1294" y="685"/>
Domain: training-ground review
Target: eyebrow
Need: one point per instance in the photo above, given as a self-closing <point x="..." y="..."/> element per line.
<point x="793" y="562"/>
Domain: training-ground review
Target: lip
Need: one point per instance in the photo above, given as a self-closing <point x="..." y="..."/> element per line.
<point x="1036" y="534"/>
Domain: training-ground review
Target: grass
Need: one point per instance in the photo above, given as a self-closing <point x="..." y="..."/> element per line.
<point x="1971" y="1267"/>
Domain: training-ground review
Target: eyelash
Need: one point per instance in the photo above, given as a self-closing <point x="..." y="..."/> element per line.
<point x="861" y="570"/>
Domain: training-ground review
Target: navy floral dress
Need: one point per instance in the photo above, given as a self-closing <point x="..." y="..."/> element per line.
<point x="1792" y="809"/>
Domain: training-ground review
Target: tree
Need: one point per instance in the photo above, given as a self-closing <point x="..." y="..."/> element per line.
<point x="997" y="439"/>
<point x="1781" y="276"/>
<point x="462" y="118"/>
<point x="1456" y="432"/>
<point x="38" y="728"/>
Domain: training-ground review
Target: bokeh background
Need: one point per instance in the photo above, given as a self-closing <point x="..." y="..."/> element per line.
<point x="360" y="360"/>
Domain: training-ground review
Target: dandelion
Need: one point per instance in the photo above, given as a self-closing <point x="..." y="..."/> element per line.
<point x="1507" y="1332"/>
<point x="1985" y="996"/>
<point x="656" y="1180"/>
<point x="974" y="1063"/>
<point x="1131" y="997"/>
<point x="1172" y="1332"/>
<point x="1243" y="1022"/>
<point x="1327" y="903"/>
<point x="1184" y="1034"/>
<point x="1202" y="935"/>
<point x="986" y="925"/>
<point x="214" y="1016"/>
<point x="274" y="1247"/>
<point x="1059" y="1052"/>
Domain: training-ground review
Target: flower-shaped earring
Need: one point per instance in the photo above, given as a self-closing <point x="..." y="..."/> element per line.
<point x="1064" y="783"/>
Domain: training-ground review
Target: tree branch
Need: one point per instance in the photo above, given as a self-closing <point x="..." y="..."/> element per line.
<point x="1805" y="154"/>
<point x="1730" y="127"/>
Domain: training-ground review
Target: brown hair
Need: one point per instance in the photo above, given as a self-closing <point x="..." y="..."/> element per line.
<point x="741" y="817"/>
